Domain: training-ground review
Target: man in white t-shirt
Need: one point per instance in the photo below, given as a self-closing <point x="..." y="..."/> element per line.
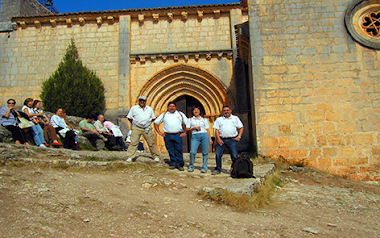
<point x="174" y="124"/>
<point x="141" y="117"/>
<point x="228" y="131"/>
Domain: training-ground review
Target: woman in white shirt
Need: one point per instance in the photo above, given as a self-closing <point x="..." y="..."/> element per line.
<point x="200" y="133"/>
<point x="38" y="133"/>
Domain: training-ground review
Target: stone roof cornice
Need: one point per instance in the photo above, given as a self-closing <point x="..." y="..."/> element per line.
<point x="132" y="12"/>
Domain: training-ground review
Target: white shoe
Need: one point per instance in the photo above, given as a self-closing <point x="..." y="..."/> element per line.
<point x="157" y="159"/>
<point x="129" y="160"/>
<point x="43" y="146"/>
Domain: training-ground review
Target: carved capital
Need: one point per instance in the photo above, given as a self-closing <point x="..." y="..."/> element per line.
<point x="184" y="16"/>
<point x="200" y="15"/>
<point x="156" y="17"/>
<point x="81" y="20"/>
<point x="99" y="20"/>
<point x="170" y="16"/>
<point x="22" y="24"/>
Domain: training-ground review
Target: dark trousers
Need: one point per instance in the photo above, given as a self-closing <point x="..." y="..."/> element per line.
<point x="173" y="143"/>
<point x="18" y="134"/>
<point x="69" y="139"/>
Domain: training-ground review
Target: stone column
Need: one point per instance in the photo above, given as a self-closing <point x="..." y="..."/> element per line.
<point x="124" y="64"/>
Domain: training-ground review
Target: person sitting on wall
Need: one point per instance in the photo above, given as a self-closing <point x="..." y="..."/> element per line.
<point x="111" y="139"/>
<point x="38" y="133"/>
<point x="9" y="117"/>
<point x="88" y="130"/>
<point x="45" y="124"/>
<point x="60" y="124"/>
<point x="116" y="132"/>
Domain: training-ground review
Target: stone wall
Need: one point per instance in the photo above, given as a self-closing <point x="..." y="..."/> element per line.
<point x="128" y="50"/>
<point x="316" y="90"/>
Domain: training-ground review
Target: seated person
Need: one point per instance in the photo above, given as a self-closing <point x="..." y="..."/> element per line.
<point x="116" y="132"/>
<point x="9" y="117"/>
<point x="111" y="143"/>
<point x="45" y="123"/>
<point x="88" y="130"/>
<point x="60" y="124"/>
<point x="38" y="133"/>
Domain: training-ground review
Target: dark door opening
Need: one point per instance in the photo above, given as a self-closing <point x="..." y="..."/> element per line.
<point x="185" y="104"/>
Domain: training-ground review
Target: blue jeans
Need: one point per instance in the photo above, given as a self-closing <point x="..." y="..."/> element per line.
<point x="38" y="134"/>
<point x="173" y="144"/>
<point x="232" y="146"/>
<point x="195" y="140"/>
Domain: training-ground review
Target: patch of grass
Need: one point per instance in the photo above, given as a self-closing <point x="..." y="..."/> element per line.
<point x="244" y="203"/>
<point x="86" y="147"/>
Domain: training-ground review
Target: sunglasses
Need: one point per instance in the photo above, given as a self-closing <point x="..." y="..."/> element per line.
<point x="11" y="103"/>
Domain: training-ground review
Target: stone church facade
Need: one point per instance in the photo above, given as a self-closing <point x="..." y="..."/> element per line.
<point x="303" y="75"/>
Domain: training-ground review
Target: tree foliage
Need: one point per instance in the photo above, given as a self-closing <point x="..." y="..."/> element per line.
<point x="73" y="87"/>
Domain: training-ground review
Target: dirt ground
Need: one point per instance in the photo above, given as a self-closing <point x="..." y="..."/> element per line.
<point x="149" y="200"/>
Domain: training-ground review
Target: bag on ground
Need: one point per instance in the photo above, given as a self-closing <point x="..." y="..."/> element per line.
<point x="242" y="167"/>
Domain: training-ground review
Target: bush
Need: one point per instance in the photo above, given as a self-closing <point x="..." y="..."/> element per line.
<point x="73" y="87"/>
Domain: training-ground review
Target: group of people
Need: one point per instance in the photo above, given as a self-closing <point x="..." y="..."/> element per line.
<point x="228" y="132"/>
<point x="102" y="133"/>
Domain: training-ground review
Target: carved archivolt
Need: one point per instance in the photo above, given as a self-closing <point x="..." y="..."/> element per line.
<point x="179" y="80"/>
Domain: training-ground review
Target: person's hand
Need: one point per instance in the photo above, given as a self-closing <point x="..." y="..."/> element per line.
<point x="161" y="133"/>
<point x="197" y="128"/>
<point x="220" y="142"/>
<point x="183" y="134"/>
<point x="211" y="141"/>
<point x="237" y="138"/>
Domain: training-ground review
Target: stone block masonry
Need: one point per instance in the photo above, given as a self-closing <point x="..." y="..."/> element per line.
<point x="316" y="94"/>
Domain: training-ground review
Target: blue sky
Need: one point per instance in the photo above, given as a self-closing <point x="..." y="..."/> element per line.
<point x="65" y="6"/>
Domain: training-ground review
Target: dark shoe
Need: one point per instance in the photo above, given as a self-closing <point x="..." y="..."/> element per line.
<point x="172" y="167"/>
<point x="180" y="168"/>
<point x="215" y="172"/>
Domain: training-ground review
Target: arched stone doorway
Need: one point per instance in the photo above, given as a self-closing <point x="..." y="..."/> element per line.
<point x="183" y="80"/>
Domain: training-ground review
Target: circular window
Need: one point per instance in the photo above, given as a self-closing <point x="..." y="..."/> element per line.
<point x="362" y="20"/>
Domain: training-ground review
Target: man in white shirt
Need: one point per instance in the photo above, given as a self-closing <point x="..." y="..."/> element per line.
<point x="228" y="131"/>
<point x="174" y="124"/>
<point x="141" y="117"/>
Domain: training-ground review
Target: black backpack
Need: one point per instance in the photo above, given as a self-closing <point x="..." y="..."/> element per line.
<point x="242" y="167"/>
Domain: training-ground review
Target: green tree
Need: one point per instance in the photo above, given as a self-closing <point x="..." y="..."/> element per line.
<point x="73" y="87"/>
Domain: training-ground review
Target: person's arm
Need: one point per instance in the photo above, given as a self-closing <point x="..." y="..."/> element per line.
<point x="217" y="136"/>
<point x="157" y="127"/>
<point x="7" y="112"/>
<point x="209" y="136"/>
<point x="26" y="111"/>
<point x="238" y="137"/>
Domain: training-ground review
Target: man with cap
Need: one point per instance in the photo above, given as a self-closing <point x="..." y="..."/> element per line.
<point x="141" y="117"/>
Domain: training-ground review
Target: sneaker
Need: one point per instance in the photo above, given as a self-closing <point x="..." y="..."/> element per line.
<point x="129" y="160"/>
<point x="157" y="159"/>
<point x="43" y="146"/>
<point x="57" y="144"/>
<point x="203" y="171"/>
<point x="180" y="168"/>
<point x="46" y="144"/>
<point x="172" y="167"/>
<point x="190" y="170"/>
<point x="215" y="172"/>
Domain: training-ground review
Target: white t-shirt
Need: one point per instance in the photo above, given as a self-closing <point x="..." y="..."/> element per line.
<point x="142" y="117"/>
<point x="228" y="127"/>
<point x="172" y="121"/>
<point x="201" y="122"/>
<point x="30" y="110"/>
